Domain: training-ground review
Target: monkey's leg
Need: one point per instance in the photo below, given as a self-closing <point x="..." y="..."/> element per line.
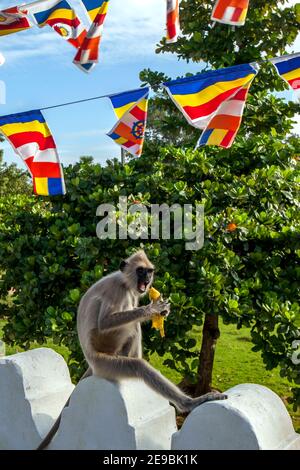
<point x="127" y="347"/>
<point x="136" y="350"/>
<point x="48" y="438"/>
<point x="133" y="346"/>
<point x="116" y="368"/>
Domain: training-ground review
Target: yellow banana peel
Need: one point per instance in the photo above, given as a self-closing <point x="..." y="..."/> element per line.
<point x="157" y="319"/>
<point x="154" y="294"/>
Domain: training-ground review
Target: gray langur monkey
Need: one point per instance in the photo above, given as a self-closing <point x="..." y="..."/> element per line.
<point x="109" y="329"/>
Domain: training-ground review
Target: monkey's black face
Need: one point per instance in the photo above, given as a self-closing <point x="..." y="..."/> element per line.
<point x="144" y="278"/>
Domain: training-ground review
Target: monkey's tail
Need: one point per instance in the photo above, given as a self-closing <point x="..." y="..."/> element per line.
<point x="48" y="438"/>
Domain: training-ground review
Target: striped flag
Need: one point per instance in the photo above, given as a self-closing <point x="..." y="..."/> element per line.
<point x="173" y="25"/>
<point x="231" y="12"/>
<point x="88" y="54"/>
<point x="288" y="68"/>
<point x="31" y="138"/>
<point x="224" y="126"/>
<point x="214" y="101"/>
<point x="61" y="17"/>
<point x="92" y="7"/>
<point x="131" y="108"/>
<point x="13" y="20"/>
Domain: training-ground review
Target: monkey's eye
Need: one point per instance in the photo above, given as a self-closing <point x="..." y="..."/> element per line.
<point x="140" y="270"/>
<point x="150" y="270"/>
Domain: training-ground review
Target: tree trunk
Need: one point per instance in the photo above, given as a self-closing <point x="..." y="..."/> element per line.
<point x="210" y="334"/>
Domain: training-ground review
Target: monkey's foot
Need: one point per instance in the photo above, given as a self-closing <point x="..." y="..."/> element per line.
<point x="212" y="396"/>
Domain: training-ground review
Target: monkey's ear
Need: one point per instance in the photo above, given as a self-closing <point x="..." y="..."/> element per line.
<point x="123" y="265"/>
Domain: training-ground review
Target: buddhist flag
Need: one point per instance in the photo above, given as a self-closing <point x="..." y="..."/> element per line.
<point x="173" y="25"/>
<point x="224" y="126"/>
<point x="288" y="68"/>
<point x="214" y="101"/>
<point x="92" y="7"/>
<point x="88" y="54"/>
<point x="31" y="138"/>
<point x="231" y="12"/>
<point x="13" y="20"/>
<point x="131" y="108"/>
<point x="61" y="17"/>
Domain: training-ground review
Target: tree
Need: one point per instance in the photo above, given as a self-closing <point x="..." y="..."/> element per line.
<point x="248" y="269"/>
<point x="269" y="29"/>
<point x="12" y="179"/>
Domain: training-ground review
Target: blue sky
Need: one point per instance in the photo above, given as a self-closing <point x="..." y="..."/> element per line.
<point x="38" y="72"/>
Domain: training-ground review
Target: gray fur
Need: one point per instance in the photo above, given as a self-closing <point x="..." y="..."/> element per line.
<point x="109" y="331"/>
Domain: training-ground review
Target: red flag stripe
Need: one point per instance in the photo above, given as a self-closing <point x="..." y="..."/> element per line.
<point x="23" y="138"/>
<point x="138" y="113"/>
<point x="195" y="112"/>
<point x="43" y="170"/>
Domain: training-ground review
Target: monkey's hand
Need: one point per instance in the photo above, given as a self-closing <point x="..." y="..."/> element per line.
<point x="162" y="307"/>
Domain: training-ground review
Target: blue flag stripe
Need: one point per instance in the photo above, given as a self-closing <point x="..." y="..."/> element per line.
<point x="122" y="99"/>
<point x="92" y="4"/>
<point x="201" y="81"/>
<point x="42" y="16"/>
<point x="28" y="116"/>
<point x="288" y="65"/>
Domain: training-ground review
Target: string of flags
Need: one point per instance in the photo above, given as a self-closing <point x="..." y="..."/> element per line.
<point x="212" y="101"/>
<point x="64" y="20"/>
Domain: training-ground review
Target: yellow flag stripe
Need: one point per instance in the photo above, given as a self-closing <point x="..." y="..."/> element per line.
<point x="10" y="31"/>
<point x="216" y="136"/>
<point x="61" y="14"/>
<point x="41" y="186"/>
<point x="121" y="140"/>
<point x="93" y="13"/>
<point x="211" y="92"/>
<point x="123" y="109"/>
<point x="292" y="74"/>
<point x="34" y="126"/>
<point x="143" y="105"/>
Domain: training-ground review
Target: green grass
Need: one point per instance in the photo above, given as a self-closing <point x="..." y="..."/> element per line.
<point x="235" y="363"/>
<point x="49" y="344"/>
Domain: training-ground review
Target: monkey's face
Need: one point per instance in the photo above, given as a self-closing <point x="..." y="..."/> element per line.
<point x="137" y="272"/>
<point x="144" y="278"/>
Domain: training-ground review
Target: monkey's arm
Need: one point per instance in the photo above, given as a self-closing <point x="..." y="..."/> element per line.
<point x="139" y="314"/>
